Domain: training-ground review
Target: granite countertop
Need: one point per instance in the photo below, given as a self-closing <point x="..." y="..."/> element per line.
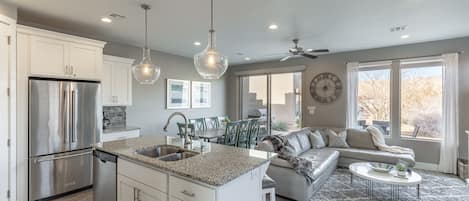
<point x="215" y="165"/>
<point x="120" y="129"/>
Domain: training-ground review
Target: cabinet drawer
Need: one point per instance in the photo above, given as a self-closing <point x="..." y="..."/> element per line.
<point x="147" y="176"/>
<point x="188" y="191"/>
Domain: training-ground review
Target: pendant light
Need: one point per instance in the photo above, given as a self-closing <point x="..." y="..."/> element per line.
<point x="146" y="72"/>
<point x="209" y="63"/>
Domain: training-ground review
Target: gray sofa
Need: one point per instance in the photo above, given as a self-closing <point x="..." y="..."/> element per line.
<point x="325" y="160"/>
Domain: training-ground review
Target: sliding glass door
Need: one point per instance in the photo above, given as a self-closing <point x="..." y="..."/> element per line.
<point x="275" y="98"/>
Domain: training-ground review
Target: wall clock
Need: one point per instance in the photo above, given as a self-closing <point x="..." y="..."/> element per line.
<point x="325" y="88"/>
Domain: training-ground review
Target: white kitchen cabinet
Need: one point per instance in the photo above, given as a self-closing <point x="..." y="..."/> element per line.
<point x="131" y="190"/>
<point x="57" y="55"/>
<point x="48" y="56"/>
<point x="117" y="81"/>
<point x="176" y="188"/>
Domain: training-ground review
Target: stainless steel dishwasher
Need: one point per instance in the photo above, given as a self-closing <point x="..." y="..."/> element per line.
<point x="105" y="176"/>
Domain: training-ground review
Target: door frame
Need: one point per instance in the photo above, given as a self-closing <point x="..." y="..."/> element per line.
<point x="269" y="94"/>
<point x="11" y="31"/>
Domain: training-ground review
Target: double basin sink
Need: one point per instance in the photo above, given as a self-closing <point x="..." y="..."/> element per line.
<point x="166" y="152"/>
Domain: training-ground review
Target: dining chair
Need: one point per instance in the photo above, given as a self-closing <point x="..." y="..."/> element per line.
<point x="181" y="128"/>
<point x="230" y="135"/>
<point x="243" y="133"/>
<point x="199" y="124"/>
<point x="212" y="122"/>
<point x="254" y="128"/>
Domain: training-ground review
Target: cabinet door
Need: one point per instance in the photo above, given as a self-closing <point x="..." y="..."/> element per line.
<point x="125" y="189"/>
<point x="48" y="56"/>
<point x="131" y="190"/>
<point x="106" y="84"/>
<point x="121" y="83"/>
<point x="85" y="61"/>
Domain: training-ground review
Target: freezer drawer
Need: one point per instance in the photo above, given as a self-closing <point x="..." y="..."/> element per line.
<point x="56" y="174"/>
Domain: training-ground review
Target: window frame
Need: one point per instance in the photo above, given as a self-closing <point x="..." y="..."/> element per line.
<point x="382" y="65"/>
<point x="416" y="63"/>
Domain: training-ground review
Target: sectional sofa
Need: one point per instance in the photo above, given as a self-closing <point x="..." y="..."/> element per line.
<point x="325" y="159"/>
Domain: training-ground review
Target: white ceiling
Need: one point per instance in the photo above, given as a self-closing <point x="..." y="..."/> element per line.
<point x="340" y="25"/>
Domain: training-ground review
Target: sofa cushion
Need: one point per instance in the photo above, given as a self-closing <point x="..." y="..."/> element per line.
<point x="338" y="140"/>
<point x="360" y="139"/>
<point x="321" y="160"/>
<point x="316" y="140"/>
<point x="297" y="142"/>
<point x="374" y="155"/>
<point x="325" y="132"/>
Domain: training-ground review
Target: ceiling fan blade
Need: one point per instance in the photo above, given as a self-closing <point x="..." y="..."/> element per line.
<point x="320" y="50"/>
<point x="309" y="56"/>
<point x="285" y="58"/>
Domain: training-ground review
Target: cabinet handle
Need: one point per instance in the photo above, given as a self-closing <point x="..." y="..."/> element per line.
<point x="73" y="71"/>
<point x="185" y="192"/>
<point x="66" y="70"/>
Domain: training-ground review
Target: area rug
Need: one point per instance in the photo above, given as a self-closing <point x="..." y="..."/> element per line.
<point x="435" y="187"/>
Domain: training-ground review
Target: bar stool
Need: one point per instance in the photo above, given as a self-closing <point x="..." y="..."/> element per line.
<point x="268" y="188"/>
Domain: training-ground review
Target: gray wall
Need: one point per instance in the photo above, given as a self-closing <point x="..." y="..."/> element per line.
<point x="148" y="109"/>
<point x="333" y="115"/>
<point x="8" y="10"/>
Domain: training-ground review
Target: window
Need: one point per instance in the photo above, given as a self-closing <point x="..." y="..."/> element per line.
<point x="374" y="102"/>
<point x="421" y="101"/>
<point x="414" y="86"/>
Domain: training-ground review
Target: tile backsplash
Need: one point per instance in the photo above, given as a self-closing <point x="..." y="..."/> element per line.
<point x="114" y="116"/>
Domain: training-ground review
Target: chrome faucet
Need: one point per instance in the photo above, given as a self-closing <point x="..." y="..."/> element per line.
<point x="187" y="139"/>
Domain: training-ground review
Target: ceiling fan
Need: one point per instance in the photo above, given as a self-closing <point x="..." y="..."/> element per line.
<point x="299" y="51"/>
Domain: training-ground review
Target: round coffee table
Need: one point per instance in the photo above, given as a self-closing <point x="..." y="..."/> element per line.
<point x="364" y="171"/>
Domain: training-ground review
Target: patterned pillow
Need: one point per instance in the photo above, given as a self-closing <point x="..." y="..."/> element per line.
<point x="338" y="140"/>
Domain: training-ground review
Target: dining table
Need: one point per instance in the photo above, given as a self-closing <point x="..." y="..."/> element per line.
<point x="208" y="134"/>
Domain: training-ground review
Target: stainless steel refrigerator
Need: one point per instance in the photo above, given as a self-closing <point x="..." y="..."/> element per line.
<point x="63" y="126"/>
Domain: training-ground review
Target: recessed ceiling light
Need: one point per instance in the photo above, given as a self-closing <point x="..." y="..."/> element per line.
<point x="106" y="19"/>
<point x="196" y="43"/>
<point x="247" y="59"/>
<point x="273" y="26"/>
<point x="405" y="36"/>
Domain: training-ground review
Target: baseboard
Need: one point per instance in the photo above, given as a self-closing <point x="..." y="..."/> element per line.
<point x="426" y="166"/>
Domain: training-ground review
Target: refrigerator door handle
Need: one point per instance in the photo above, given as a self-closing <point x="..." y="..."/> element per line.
<point x="62" y="157"/>
<point x="73" y="119"/>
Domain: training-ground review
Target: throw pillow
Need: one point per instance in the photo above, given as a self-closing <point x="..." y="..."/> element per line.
<point x="360" y="139"/>
<point x="316" y="140"/>
<point x="338" y="140"/>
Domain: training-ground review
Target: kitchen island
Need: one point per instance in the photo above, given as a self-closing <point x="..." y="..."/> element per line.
<point x="162" y="168"/>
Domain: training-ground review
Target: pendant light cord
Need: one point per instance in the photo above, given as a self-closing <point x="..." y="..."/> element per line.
<point x="211" y="24"/>
<point x="146" y="28"/>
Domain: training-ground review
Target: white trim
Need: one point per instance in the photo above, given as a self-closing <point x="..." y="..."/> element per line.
<point x="59" y="36"/>
<point x="426" y="166"/>
<point x="276" y="70"/>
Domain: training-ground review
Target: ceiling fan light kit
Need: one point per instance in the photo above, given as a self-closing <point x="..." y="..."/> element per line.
<point x="209" y="63"/>
<point x="145" y="72"/>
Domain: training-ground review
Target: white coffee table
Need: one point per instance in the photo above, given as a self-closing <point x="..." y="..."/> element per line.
<point x="364" y="171"/>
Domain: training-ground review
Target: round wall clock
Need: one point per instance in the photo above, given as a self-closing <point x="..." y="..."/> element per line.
<point x="325" y="88"/>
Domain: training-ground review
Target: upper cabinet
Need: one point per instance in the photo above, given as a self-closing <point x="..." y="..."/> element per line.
<point x="117" y="81"/>
<point x="57" y="55"/>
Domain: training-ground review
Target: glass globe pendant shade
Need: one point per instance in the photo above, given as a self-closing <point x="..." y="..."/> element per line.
<point x="146" y="72"/>
<point x="209" y="63"/>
